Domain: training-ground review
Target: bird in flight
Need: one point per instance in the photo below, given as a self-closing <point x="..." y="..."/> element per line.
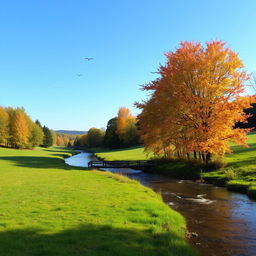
<point x="79" y="75"/>
<point x="88" y="58"/>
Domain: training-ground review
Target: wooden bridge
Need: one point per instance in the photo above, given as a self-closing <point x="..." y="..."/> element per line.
<point x="122" y="164"/>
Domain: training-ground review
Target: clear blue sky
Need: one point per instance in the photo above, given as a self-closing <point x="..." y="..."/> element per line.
<point x="43" y="43"/>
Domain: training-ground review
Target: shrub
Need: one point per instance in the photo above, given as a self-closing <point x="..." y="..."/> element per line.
<point x="214" y="165"/>
<point x="178" y="169"/>
<point x="229" y="173"/>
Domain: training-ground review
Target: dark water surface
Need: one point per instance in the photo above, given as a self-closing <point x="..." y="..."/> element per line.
<point x="224" y="221"/>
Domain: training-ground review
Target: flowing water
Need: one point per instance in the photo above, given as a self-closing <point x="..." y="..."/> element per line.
<point x="223" y="222"/>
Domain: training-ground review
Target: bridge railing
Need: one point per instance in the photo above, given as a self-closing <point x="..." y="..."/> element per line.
<point x="122" y="164"/>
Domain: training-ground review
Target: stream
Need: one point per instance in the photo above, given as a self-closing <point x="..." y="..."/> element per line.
<point x="224" y="222"/>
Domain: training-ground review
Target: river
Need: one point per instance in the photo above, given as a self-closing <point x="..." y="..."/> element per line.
<point x="224" y="222"/>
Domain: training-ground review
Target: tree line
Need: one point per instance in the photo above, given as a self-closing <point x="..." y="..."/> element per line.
<point x="121" y="131"/>
<point x="65" y="140"/>
<point x="17" y="130"/>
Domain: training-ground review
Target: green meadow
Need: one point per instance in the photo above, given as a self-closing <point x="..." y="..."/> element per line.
<point x="239" y="174"/>
<point x="132" y="153"/>
<point x="51" y="209"/>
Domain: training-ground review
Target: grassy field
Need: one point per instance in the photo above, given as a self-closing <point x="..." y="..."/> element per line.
<point x="238" y="175"/>
<point x="51" y="209"/>
<point x="133" y="153"/>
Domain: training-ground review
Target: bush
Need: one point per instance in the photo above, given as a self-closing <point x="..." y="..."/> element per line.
<point x="178" y="169"/>
<point x="229" y="173"/>
<point x="213" y="165"/>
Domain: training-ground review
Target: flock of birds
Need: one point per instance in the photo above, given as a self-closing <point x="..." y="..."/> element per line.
<point x="88" y="59"/>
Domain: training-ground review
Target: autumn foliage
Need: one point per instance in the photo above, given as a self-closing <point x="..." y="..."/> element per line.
<point x="126" y="127"/>
<point x="17" y="130"/>
<point x="196" y="102"/>
<point x="93" y="138"/>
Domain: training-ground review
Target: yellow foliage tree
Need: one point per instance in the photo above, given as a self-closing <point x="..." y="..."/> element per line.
<point x="20" y="129"/>
<point x="4" y="122"/>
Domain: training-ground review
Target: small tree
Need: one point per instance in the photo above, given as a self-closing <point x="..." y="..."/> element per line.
<point x="36" y="136"/>
<point x="48" y="139"/>
<point x="95" y="137"/>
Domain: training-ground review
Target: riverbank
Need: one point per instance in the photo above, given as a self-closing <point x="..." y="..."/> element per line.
<point x="50" y="208"/>
<point x="239" y="175"/>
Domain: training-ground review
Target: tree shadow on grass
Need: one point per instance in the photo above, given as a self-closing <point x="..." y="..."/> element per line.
<point x="41" y="162"/>
<point x="58" y="150"/>
<point x="92" y="240"/>
<point x="244" y="163"/>
<point x="240" y="149"/>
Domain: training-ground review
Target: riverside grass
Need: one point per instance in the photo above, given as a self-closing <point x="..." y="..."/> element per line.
<point x="132" y="153"/>
<point x="239" y="174"/>
<point x="49" y="208"/>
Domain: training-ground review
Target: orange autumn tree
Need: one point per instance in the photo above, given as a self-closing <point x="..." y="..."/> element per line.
<point x="123" y="115"/>
<point x="196" y="102"/>
<point x="126" y="127"/>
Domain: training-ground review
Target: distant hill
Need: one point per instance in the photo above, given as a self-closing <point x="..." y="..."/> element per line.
<point x="71" y="132"/>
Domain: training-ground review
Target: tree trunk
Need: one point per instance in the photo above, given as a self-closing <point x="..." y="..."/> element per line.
<point x="203" y="156"/>
<point x="195" y="156"/>
<point x="164" y="153"/>
<point x="188" y="156"/>
<point x="208" y="157"/>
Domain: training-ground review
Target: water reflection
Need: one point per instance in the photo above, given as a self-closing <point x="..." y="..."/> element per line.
<point x="224" y="221"/>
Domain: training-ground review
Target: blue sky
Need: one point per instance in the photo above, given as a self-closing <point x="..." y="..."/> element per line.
<point x="43" y="44"/>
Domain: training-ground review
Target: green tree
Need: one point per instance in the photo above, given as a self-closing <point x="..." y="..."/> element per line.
<point x="111" y="138"/>
<point x="84" y="140"/>
<point x="130" y="136"/>
<point x="54" y="137"/>
<point x="95" y="137"/>
<point x="48" y="139"/>
<point x="39" y="124"/>
<point x="36" y="136"/>
<point x="77" y="142"/>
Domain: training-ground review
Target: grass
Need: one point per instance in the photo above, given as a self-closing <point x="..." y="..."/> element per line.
<point x="51" y="209"/>
<point x="239" y="175"/>
<point x="133" y="153"/>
